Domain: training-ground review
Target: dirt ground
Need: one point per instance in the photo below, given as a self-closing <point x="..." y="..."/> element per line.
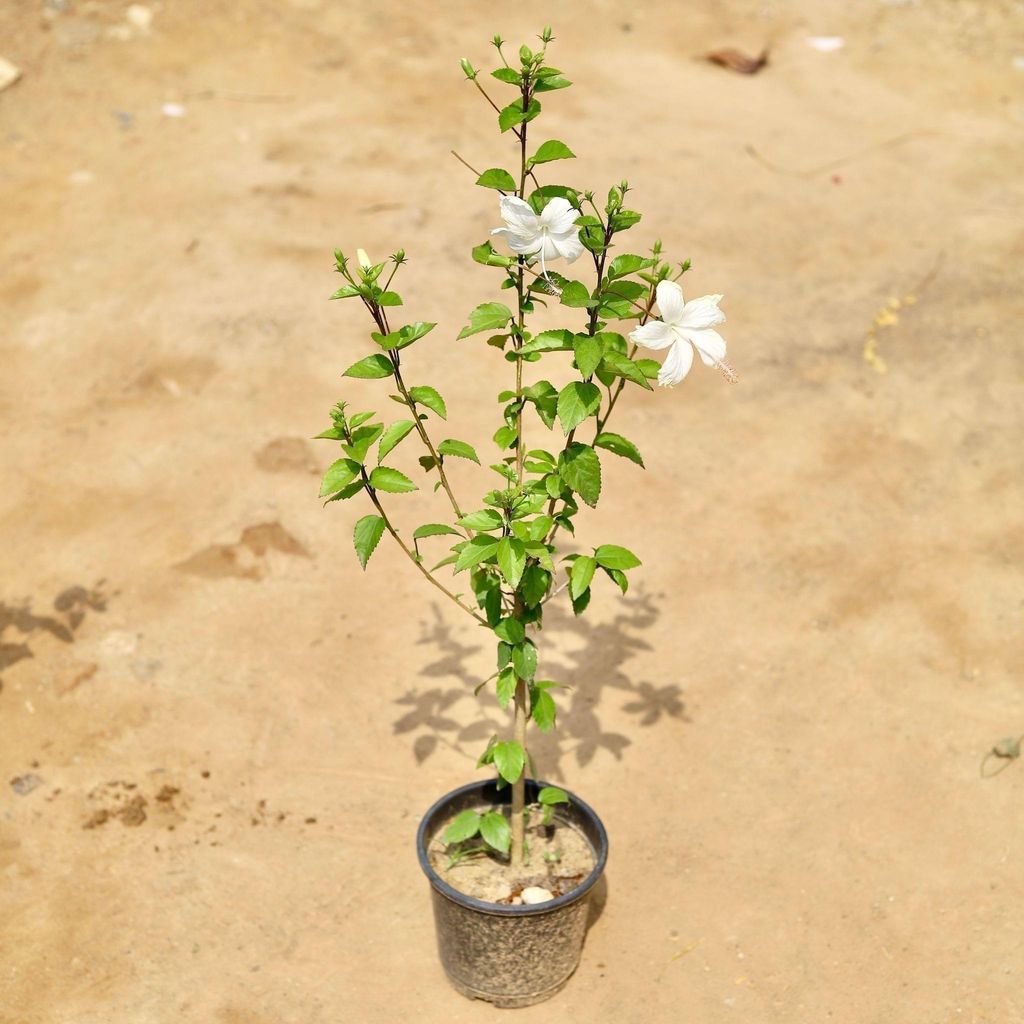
<point x="218" y="733"/>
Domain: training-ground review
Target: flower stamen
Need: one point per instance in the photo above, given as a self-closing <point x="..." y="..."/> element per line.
<point x="727" y="371"/>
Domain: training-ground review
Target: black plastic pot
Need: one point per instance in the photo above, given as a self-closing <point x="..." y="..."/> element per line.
<point x="509" y="955"/>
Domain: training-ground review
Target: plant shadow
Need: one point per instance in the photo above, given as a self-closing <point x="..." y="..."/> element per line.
<point x="593" y="667"/>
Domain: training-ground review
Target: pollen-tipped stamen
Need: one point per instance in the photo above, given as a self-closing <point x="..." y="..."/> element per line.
<point x="727" y="371"/>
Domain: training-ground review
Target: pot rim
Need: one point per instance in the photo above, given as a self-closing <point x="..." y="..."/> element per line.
<point x="502" y="909"/>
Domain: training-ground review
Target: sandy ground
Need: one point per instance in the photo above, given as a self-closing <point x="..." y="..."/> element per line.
<point x="218" y="733"/>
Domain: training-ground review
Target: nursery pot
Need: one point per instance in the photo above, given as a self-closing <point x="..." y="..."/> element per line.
<point x="510" y="955"/>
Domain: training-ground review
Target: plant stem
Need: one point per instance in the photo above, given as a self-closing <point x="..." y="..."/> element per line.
<point x="519" y="786"/>
<point x="412" y="557"/>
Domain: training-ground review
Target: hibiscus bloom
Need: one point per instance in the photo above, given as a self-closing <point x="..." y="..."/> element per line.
<point x="546" y="237"/>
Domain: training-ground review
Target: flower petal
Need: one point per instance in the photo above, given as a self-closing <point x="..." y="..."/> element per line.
<point x="559" y="215"/>
<point x="547" y="248"/>
<point x="524" y="245"/>
<point x="670" y="301"/>
<point x="519" y="215"/>
<point x="710" y="344"/>
<point x="569" y="245"/>
<point x="654" y="334"/>
<point x="702" y="312"/>
<point x="677" y="364"/>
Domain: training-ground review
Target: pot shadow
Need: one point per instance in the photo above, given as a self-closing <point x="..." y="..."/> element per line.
<point x="593" y="669"/>
<point x="598" y="898"/>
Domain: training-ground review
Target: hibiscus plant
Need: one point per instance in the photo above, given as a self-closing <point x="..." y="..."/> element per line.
<point x="552" y="436"/>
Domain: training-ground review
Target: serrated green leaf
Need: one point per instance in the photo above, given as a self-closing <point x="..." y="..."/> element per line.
<point x="490" y="316"/>
<point x="459" y="449"/>
<point x="623" y="366"/>
<point x="508" y="75"/>
<point x="509" y="759"/>
<point x="551" y="150"/>
<point x="424" y="395"/>
<point x="549" y="341"/>
<point x="475" y="551"/>
<point x="494" y="828"/>
<point x="392" y="437"/>
<point x="611" y="556"/>
<point x="391" y="481"/>
<point x="543" y="710"/>
<point x="367" y="535"/>
<point x="551" y="83"/>
<point x="534" y="585"/>
<point x="620" y="446"/>
<point x="331" y="434"/>
<point x="575" y="294"/>
<point x="433" y="530"/>
<point x="524" y="660"/>
<point x="552" y="795"/>
<point x="497" y="178"/>
<point x="339" y="475"/>
<point x="510" y="630"/>
<point x="627" y="263"/>
<point x="389" y="299"/>
<point x="576" y="401"/>
<point x="580" y="468"/>
<point x="485" y="519"/>
<point x="618" y="577"/>
<point x="486" y="255"/>
<point x="372" y="367"/>
<point x="362" y="438"/>
<point x="582" y="573"/>
<point x="511" y="560"/>
<point x="513" y="114"/>
<point x="488" y="755"/>
<point x="463" y="827"/>
<point x="506" y="685"/>
<point x="589" y="351"/>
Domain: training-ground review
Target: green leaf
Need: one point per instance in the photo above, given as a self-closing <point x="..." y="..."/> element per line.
<point x="624" y="219"/>
<point x="579" y="604"/>
<point x="580" y="468"/>
<point x="619" y="445"/>
<point x="389" y="299"/>
<point x="618" y="577"/>
<point x="485" y="519"/>
<point x="359" y="419"/>
<point x="404" y="336"/>
<point x="371" y="368"/>
<point x="486" y="255"/>
<point x="577" y="400"/>
<point x="627" y="263"/>
<point x="392" y="436"/>
<point x="551" y="83"/>
<point x="347" y="492"/>
<point x="582" y="573"/>
<point x="487" y="757"/>
<point x="534" y="585"/>
<point x="368" y="533"/>
<point x="495" y="830"/>
<point x="490" y="316"/>
<point x="465" y="826"/>
<point x="508" y="75"/>
<point x="433" y="530"/>
<point x="524" y="660"/>
<point x="514" y="114"/>
<point x="649" y="367"/>
<point x="391" y="481"/>
<point x="549" y="341"/>
<point x="543" y="710"/>
<point x="575" y="294"/>
<point x="552" y="795"/>
<point x="475" y="551"/>
<point x="340" y="475"/>
<point x="346" y="291"/>
<point x="623" y="366"/>
<point x="511" y="560"/>
<point x="589" y="350"/>
<point x="552" y="150"/>
<point x="495" y="177"/>
<point x="506" y="686"/>
<point x="362" y="438"/>
<point x="331" y="434"/>
<point x="510" y="630"/>
<point x="509" y="759"/>
<point x="611" y="556"/>
<point x="460" y="449"/>
<point x="427" y="396"/>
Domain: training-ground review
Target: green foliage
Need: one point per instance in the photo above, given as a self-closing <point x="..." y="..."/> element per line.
<point x="423" y="395"/>
<point x="368" y="533"/>
<point x="489" y="316"/>
<point x="393" y="481"/>
<point x="372" y="367"/>
<point x="509" y="545"/>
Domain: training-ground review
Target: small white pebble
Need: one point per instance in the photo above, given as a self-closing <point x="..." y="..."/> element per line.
<point x="516" y="901"/>
<point x="826" y="44"/>
<point x="535" y="894"/>
<point x="173" y="110"/>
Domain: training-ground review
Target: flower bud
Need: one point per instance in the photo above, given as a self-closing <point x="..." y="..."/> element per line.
<point x="468" y="68"/>
<point x="364" y="260"/>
